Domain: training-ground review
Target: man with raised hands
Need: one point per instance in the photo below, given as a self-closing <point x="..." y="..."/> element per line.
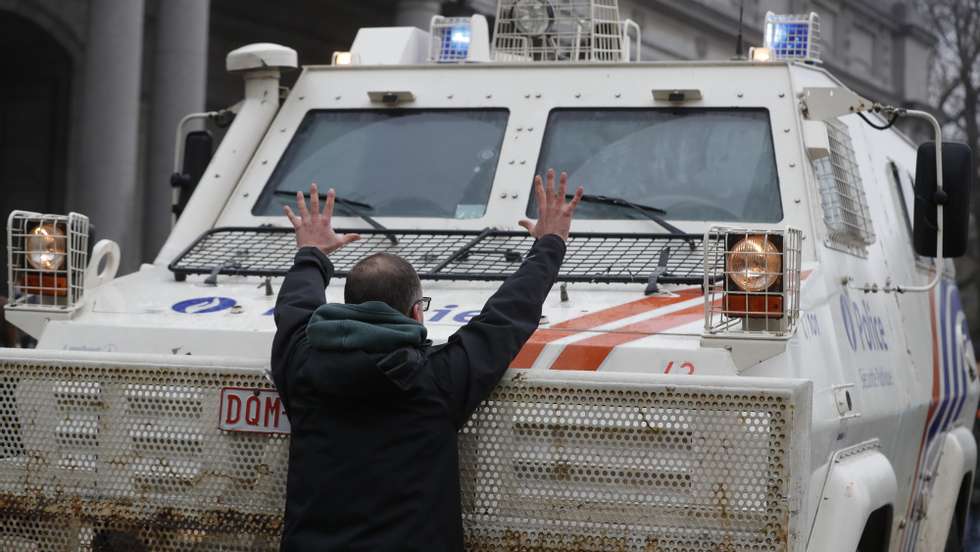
<point x="374" y="407"/>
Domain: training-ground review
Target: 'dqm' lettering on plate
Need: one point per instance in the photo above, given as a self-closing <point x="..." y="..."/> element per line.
<point x="252" y="411"/>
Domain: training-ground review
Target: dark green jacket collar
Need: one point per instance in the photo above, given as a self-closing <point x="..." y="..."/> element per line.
<point x="372" y="327"/>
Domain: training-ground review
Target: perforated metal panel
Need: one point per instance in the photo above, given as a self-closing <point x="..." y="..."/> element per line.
<point x="591" y="466"/>
<point x="131" y="454"/>
<point x="97" y="449"/>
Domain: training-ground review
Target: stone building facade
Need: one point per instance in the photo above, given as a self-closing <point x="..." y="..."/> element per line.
<point x="89" y="108"/>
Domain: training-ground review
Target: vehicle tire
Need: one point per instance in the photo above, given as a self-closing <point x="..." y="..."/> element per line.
<point x="954" y="542"/>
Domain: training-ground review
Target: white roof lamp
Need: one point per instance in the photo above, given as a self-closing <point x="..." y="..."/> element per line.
<point x="563" y="31"/>
<point x="262" y="55"/>
<point x="790" y="38"/>
<point x="389" y="46"/>
<point x="821" y="104"/>
<point x="459" y="39"/>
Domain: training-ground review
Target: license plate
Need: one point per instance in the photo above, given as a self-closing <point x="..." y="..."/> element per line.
<point x="252" y="411"/>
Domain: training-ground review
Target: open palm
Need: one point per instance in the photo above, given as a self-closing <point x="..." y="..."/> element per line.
<point x="313" y="228"/>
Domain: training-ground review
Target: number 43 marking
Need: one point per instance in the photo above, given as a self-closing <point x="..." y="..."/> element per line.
<point x="684" y="366"/>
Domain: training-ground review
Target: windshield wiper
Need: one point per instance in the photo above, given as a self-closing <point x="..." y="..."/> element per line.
<point x="652" y="213"/>
<point x="459" y="253"/>
<point x="354" y="208"/>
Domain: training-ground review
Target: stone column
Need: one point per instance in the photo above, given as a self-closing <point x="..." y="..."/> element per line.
<point x="416" y="13"/>
<point x="109" y="131"/>
<point x="179" y="84"/>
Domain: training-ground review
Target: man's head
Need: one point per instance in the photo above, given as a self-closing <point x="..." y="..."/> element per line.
<point x="387" y="278"/>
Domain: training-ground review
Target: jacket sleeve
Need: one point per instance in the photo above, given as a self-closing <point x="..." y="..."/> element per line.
<point x="302" y="291"/>
<point x="474" y="359"/>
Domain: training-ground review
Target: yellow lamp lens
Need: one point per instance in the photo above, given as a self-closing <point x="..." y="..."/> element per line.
<point x="45" y="247"/>
<point x="760" y="54"/>
<point x="754" y="263"/>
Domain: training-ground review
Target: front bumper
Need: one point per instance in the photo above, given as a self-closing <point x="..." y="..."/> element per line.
<point x="100" y="443"/>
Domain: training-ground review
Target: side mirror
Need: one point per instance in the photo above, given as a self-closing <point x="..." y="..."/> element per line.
<point x="958" y="177"/>
<point x="198" y="149"/>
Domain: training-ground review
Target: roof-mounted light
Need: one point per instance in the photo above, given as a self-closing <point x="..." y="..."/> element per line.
<point x="533" y="17"/>
<point x="575" y="31"/>
<point x="793" y="37"/>
<point x="343" y="58"/>
<point x="760" y="54"/>
<point x="459" y="39"/>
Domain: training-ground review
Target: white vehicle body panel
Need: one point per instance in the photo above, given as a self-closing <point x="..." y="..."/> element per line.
<point x="890" y="387"/>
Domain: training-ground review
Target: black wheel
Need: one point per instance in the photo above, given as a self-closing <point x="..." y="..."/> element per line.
<point x="954" y="541"/>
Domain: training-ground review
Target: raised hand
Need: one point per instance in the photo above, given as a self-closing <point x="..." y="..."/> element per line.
<point x="313" y="228"/>
<point x="554" y="215"/>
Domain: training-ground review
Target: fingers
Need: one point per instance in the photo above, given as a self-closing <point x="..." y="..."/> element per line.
<point x="328" y="210"/>
<point x="539" y="193"/>
<point x="314" y="200"/>
<point x="562" y="187"/>
<point x="550" y="191"/>
<point x="349" y="238"/>
<point x="528" y="225"/>
<point x="301" y="205"/>
<point x="570" y="208"/>
<point x="292" y="218"/>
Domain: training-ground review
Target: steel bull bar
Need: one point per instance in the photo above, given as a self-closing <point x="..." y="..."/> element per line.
<point x="187" y="453"/>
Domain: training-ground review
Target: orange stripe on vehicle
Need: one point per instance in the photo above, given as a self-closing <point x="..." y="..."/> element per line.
<point x="532" y="349"/>
<point x="590" y="353"/>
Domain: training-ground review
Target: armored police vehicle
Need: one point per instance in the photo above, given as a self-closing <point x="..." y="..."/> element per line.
<point x="756" y="342"/>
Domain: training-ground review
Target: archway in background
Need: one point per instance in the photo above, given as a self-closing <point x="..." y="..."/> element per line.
<point x="34" y="123"/>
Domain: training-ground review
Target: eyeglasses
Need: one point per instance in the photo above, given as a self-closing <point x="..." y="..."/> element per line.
<point x="425" y="301"/>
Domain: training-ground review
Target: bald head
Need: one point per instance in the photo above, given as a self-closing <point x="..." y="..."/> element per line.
<point x="384" y="277"/>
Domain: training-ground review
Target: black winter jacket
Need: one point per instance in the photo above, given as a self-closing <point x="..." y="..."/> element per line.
<point x="373" y="462"/>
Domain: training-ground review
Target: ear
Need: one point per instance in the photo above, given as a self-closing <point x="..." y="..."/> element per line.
<point x="417" y="313"/>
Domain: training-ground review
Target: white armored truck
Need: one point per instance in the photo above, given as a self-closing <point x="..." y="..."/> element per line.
<point x="756" y="342"/>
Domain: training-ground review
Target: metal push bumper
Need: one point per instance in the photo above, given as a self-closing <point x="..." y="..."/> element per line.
<point x="100" y="445"/>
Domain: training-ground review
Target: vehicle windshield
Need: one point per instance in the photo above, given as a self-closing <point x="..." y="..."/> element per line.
<point x="406" y="163"/>
<point x="695" y="164"/>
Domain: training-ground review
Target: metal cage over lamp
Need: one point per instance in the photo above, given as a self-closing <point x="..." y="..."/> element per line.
<point x="752" y="285"/>
<point x="561" y="30"/>
<point x="46" y="260"/>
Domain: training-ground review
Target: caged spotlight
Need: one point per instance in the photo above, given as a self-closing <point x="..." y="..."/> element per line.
<point x="791" y="38"/>
<point x="459" y="39"/>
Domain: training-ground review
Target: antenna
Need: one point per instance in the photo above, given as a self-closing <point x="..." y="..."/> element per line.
<point x="738" y="43"/>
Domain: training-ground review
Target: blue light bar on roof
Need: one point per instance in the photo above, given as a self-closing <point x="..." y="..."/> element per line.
<point x="459" y="39"/>
<point x="793" y="37"/>
<point x="455" y="43"/>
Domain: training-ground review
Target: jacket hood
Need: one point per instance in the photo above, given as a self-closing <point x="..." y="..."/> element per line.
<point x="372" y="327"/>
<point x="368" y="349"/>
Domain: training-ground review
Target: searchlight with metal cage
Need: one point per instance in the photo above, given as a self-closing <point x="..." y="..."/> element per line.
<point x="46" y="259"/>
<point x="752" y="285"/>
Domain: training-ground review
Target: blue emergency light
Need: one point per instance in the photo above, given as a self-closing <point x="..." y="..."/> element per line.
<point x="455" y="43"/>
<point x="793" y="37"/>
<point x="459" y="39"/>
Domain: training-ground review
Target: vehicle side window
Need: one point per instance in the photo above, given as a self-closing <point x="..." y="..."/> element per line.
<point x="845" y="206"/>
<point x="895" y="178"/>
